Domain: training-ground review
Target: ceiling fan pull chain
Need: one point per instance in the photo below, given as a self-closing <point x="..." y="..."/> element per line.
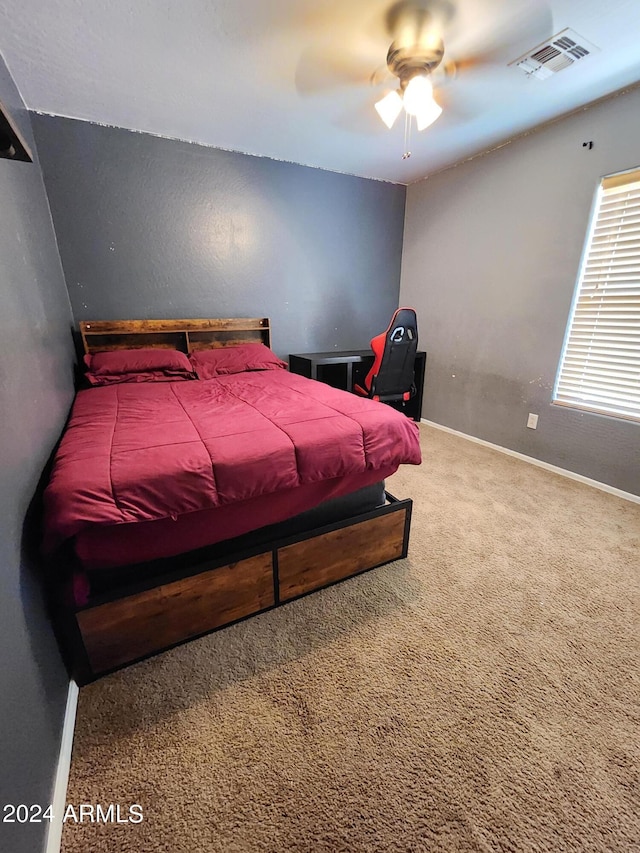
<point x="407" y="136"/>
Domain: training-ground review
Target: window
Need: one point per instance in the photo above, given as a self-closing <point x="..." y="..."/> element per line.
<point x="600" y="365"/>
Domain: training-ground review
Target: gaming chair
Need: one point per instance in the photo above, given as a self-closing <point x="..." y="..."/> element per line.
<point x="391" y="375"/>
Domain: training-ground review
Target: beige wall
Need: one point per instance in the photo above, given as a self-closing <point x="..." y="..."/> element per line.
<point x="491" y="254"/>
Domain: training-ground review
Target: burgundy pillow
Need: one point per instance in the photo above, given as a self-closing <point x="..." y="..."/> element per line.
<point x="218" y="362"/>
<point x="137" y="365"/>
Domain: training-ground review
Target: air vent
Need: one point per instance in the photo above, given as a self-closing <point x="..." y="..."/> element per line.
<point x="561" y="51"/>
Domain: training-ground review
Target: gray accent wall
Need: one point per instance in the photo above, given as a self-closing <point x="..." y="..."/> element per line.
<point x="36" y="389"/>
<point x="158" y="228"/>
<point x="492" y="250"/>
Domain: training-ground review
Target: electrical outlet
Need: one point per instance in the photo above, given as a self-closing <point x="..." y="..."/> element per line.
<point x="532" y="421"/>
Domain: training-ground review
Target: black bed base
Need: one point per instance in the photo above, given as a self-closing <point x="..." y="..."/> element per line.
<point x="104" y="581"/>
<point x="210" y="589"/>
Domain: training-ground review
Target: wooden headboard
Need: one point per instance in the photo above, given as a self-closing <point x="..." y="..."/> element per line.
<point x="184" y="335"/>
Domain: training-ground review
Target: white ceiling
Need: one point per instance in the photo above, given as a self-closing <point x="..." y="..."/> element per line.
<point x="290" y="79"/>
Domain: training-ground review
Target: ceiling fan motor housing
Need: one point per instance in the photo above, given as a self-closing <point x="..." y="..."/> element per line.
<point x="405" y="62"/>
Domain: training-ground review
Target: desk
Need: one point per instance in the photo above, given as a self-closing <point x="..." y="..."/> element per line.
<point x="344" y="368"/>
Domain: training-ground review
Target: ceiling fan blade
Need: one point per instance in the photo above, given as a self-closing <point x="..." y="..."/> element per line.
<point x="326" y="67"/>
<point x="454" y="109"/>
<point x="496" y="31"/>
<point x="484" y="38"/>
<point x="362" y="120"/>
<point x="418" y="22"/>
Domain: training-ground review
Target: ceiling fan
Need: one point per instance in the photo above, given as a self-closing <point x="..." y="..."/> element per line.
<point x="416" y="51"/>
<point x="431" y="46"/>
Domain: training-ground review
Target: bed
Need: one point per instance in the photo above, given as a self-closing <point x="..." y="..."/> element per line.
<point x="205" y="484"/>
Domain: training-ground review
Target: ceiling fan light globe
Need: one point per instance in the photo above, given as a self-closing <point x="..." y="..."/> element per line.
<point x="418" y="94"/>
<point x="428" y="115"/>
<point x="388" y="108"/>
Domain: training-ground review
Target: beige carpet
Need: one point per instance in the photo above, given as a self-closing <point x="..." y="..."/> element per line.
<point x="482" y="695"/>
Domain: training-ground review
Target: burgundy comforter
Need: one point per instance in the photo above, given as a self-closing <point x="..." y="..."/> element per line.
<point x="141" y="452"/>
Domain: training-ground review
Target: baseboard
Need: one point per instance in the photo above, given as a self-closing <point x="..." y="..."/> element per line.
<point x="627" y="496"/>
<point x="59" y="800"/>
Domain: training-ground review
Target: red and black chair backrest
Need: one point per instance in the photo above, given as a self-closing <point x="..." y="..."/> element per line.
<point x="392" y="374"/>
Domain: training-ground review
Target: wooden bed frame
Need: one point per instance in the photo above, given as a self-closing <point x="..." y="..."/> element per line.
<point x="184" y="335"/>
<point x="211" y="588"/>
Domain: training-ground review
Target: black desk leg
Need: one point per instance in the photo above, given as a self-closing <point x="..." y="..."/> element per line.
<point x="349" y="376"/>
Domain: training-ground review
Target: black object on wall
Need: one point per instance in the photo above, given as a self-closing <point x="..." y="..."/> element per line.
<point x="36" y="390"/>
<point x="12" y="146"/>
<point x="158" y="228"/>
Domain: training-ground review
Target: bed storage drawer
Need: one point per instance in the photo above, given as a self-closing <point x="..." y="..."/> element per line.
<point x="330" y="557"/>
<point x="129" y="628"/>
<point x="127" y="624"/>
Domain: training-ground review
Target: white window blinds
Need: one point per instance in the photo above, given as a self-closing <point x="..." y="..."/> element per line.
<point x="600" y="366"/>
